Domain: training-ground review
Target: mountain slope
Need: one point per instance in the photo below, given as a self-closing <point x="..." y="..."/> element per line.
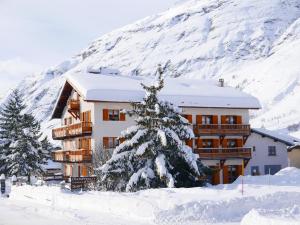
<point x="253" y="44"/>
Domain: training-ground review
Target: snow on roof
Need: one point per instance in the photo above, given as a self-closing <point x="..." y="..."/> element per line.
<point x="286" y="139"/>
<point x="181" y="92"/>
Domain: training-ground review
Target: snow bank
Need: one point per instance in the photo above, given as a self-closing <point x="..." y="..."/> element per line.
<point x="289" y="217"/>
<point x="260" y="203"/>
<point x="285" y="177"/>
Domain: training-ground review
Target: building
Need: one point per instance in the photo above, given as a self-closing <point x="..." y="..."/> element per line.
<point x="89" y="106"/>
<point x="269" y="151"/>
<point x="294" y="156"/>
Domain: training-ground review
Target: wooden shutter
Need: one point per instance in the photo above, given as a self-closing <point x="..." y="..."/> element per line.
<point x="225" y="175"/>
<point x="239" y="119"/>
<point x="223" y="119"/>
<point x="239" y="143"/>
<point x="122" y="116"/>
<point x="199" y="143"/>
<point x="198" y="119"/>
<point x="84" y="171"/>
<point x="89" y="117"/>
<point x="215" y="119"/>
<point x="216" y="143"/>
<point x="105" y="142"/>
<point x="224" y="143"/>
<point x="81" y="116"/>
<point x="188" y="117"/>
<point x="121" y="140"/>
<point x="189" y="143"/>
<point x="216" y="176"/>
<point x="105" y="114"/>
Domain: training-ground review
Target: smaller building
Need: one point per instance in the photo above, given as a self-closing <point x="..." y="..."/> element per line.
<point x="269" y="151"/>
<point x="294" y="156"/>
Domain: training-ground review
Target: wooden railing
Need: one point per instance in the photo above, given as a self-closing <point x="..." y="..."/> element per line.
<point x="73" y="130"/>
<point x="223" y="153"/>
<point x="72" y="156"/>
<point x="222" y="129"/>
<point x="73" y="105"/>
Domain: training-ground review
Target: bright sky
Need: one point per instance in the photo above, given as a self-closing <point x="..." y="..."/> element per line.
<point x="36" y="34"/>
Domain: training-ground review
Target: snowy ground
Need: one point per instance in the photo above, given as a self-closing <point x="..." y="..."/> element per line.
<point x="266" y="200"/>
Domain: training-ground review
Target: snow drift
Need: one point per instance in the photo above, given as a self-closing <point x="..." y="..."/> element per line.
<point x="261" y="203"/>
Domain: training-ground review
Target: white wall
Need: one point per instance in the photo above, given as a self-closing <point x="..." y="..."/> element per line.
<point x="260" y="156"/>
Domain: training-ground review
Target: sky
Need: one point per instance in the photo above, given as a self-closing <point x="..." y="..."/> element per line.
<point x="37" y="34"/>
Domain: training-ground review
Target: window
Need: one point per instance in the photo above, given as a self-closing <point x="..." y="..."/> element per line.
<point x="272" y="150"/>
<point x="207" y="143"/>
<point x="85" y="116"/>
<point x="232" y="143"/>
<point x="110" y="142"/>
<point x="207" y="119"/>
<point x="255" y="171"/>
<point x="231" y="120"/>
<point x="272" y="169"/>
<point x="113" y="114"/>
<point x="253" y="149"/>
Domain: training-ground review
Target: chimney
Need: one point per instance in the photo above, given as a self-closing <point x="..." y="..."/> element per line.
<point x="221" y="82"/>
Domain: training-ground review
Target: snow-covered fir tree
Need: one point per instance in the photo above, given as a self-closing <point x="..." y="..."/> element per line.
<point x="11" y="126"/>
<point x="22" y="153"/>
<point x="154" y="153"/>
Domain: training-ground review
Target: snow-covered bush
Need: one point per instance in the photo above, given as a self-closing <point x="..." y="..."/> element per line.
<point x="153" y="153"/>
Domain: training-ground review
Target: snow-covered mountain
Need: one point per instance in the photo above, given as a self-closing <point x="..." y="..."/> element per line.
<point x="253" y="44"/>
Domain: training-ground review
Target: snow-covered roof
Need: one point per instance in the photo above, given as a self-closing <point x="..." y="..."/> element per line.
<point x="179" y="91"/>
<point x="284" y="138"/>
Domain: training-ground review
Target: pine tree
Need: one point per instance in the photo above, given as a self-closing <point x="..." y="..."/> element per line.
<point x="11" y="120"/>
<point x="22" y="151"/>
<point x="154" y="154"/>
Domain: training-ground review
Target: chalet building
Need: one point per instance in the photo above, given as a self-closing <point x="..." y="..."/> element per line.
<point x="89" y="107"/>
<point x="269" y="151"/>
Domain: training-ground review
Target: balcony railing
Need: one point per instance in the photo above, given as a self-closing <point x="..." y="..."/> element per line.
<point x="222" y="129"/>
<point x="223" y="153"/>
<point x="72" y="156"/>
<point x="73" y="130"/>
<point x="73" y="105"/>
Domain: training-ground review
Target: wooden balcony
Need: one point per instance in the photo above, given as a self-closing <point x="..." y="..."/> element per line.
<point x="73" y="130"/>
<point x="224" y="153"/>
<point x="72" y="156"/>
<point x="73" y="105"/>
<point x="74" y="108"/>
<point x="222" y="129"/>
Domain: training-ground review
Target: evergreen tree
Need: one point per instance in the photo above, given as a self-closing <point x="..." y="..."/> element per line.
<point x="154" y="154"/>
<point x="11" y="126"/>
<point x="22" y="152"/>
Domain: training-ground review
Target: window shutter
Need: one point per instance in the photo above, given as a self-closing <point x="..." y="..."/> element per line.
<point x="89" y="119"/>
<point x="105" y="142"/>
<point x="199" y="119"/>
<point x="223" y="119"/>
<point x="122" y="116"/>
<point x="105" y="114"/>
<point x="215" y="119"/>
<point x="199" y="143"/>
<point x="216" y="143"/>
<point x="239" y="119"/>
<point x="81" y="116"/>
<point x="189" y="143"/>
<point x="239" y="143"/>
<point x="225" y="175"/>
<point x="224" y="143"/>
